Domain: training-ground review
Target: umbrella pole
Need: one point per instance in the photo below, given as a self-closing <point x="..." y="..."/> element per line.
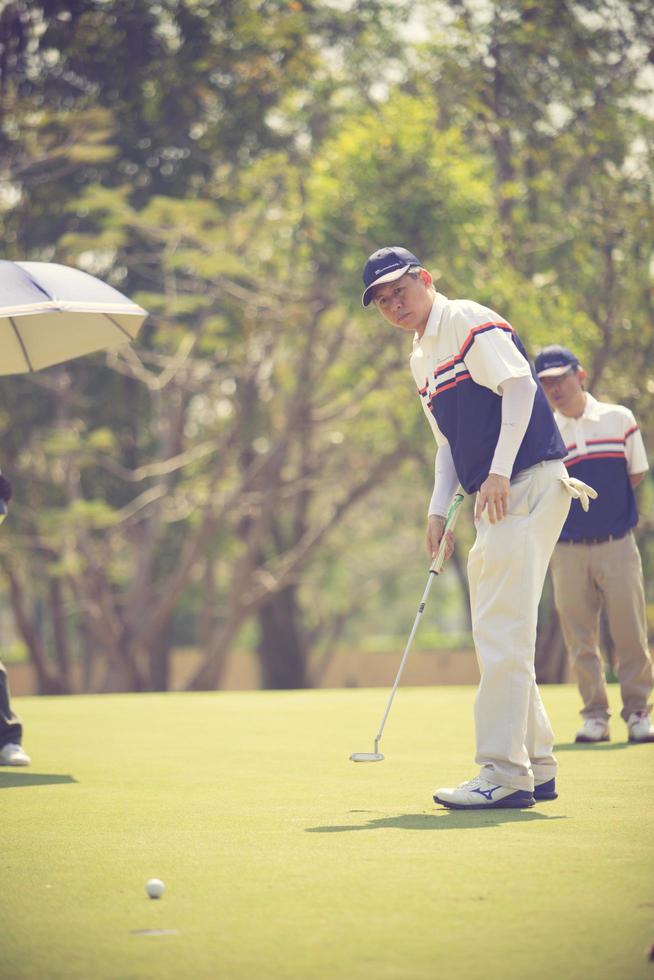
<point x="118" y="326"/>
<point x="22" y="345"/>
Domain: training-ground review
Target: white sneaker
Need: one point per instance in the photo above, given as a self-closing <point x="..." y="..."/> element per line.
<point x="640" y="727"/>
<point x="13" y="754"/>
<point x="593" y="730"/>
<point x="480" y="794"/>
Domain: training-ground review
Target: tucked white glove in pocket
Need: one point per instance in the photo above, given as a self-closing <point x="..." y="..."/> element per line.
<point x="579" y="491"/>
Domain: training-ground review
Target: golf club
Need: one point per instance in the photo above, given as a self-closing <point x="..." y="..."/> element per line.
<point x="435" y="569"/>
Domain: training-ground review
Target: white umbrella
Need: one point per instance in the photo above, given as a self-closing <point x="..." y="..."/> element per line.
<point x="52" y="313"/>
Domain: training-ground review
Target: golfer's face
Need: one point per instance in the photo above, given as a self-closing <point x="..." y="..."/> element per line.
<point x="405" y="303"/>
<point x="563" y="391"/>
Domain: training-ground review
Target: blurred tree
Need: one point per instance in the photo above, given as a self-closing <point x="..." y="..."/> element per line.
<point x="230" y="164"/>
<point x="558" y="97"/>
<point x="126" y="558"/>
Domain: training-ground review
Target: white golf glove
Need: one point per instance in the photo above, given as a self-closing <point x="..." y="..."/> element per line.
<point x="579" y="491"/>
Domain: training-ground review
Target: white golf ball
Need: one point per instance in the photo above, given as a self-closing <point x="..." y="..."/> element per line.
<point x="155" y="888"/>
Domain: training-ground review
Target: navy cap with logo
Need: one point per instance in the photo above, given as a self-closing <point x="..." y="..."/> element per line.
<point x="554" y="361"/>
<point x="386" y="265"/>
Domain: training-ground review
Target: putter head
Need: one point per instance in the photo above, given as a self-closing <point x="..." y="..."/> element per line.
<point x="367" y="757"/>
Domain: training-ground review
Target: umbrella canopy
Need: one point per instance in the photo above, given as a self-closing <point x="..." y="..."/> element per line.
<point x="52" y="313"/>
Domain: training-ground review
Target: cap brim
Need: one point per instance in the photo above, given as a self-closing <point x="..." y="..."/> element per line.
<point x="556" y="372"/>
<point x="389" y="277"/>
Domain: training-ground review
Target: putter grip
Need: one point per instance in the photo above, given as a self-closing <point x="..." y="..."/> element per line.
<point x="450" y="521"/>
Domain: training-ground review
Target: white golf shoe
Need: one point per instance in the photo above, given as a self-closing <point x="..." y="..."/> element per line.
<point x="593" y="730"/>
<point x="640" y="727"/>
<point x="480" y="794"/>
<point x="13" y="754"/>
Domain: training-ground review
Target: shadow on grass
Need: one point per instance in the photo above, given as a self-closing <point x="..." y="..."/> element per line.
<point x="10" y="779"/>
<point x="591" y="746"/>
<point x="441" y="820"/>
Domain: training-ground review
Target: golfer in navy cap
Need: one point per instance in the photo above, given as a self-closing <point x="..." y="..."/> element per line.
<point x="596" y="562"/>
<point x="496" y="436"/>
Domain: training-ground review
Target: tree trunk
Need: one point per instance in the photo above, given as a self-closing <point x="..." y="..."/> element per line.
<point x="209" y="674"/>
<point x="60" y="633"/>
<point x="124" y="671"/>
<point x="281" y="649"/>
<point x="89" y="653"/>
<point x="159" y="662"/>
<point x="207" y="622"/>
<point x="48" y="682"/>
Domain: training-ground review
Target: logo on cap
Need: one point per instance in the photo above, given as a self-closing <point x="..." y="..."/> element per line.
<point x="554" y="361"/>
<point x="397" y="260"/>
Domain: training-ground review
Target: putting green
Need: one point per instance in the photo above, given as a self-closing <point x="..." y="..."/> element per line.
<point x="283" y="859"/>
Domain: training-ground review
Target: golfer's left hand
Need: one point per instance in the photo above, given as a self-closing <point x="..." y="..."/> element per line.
<point x="493" y="496"/>
<point x="580" y="491"/>
<point x="435" y="528"/>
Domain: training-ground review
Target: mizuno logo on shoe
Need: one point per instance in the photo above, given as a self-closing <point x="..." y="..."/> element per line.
<point x="487" y="793"/>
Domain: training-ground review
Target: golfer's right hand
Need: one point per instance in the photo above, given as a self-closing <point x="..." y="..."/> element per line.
<point x="435" y="526"/>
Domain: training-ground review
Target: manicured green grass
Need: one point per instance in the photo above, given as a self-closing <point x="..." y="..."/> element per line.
<point x="283" y="859"/>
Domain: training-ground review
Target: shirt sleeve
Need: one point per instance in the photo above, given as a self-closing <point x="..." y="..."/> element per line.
<point x="445" y="482"/>
<point x="634" y="446"/>
<point x="487" y="347"/>
<point x="517" y="402"/>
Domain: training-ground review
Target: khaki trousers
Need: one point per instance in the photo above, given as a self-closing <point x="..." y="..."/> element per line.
<point x="585" y="577"/>
<point x="506" y="571"/>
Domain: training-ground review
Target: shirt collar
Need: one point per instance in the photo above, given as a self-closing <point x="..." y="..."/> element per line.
<point x="591" y="408"/>
<point x="433" y="322"/>
<point x="590" y="412"/>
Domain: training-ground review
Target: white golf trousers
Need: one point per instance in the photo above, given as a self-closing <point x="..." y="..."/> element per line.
<point x="506" y="571"/>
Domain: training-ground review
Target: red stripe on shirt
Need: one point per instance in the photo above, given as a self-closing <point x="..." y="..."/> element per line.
<point x="501" y="325"/>
<point x="458" y="358"/>
<point x="583" y="459"/>
<point x="442" y="368"/>
<point x="464" y="376"/>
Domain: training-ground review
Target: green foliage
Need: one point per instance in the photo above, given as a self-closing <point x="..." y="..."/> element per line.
<point x="390" y="175"/>
<point x="230" y="164"/>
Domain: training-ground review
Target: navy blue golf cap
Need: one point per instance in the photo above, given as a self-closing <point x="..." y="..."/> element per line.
<point x="386" y="265"/>
<point x="554" y="361"/>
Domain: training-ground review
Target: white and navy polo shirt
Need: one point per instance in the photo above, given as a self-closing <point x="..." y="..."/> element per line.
<point x="459" y="364"/>
<point x="604" y="447"/>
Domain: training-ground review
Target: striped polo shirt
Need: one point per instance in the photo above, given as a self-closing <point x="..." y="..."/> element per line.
<point x="604" y="447"/>
<point x="459" y="364"/>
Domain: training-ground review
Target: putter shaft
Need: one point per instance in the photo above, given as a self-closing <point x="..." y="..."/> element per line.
<point x="434" y="570"/>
